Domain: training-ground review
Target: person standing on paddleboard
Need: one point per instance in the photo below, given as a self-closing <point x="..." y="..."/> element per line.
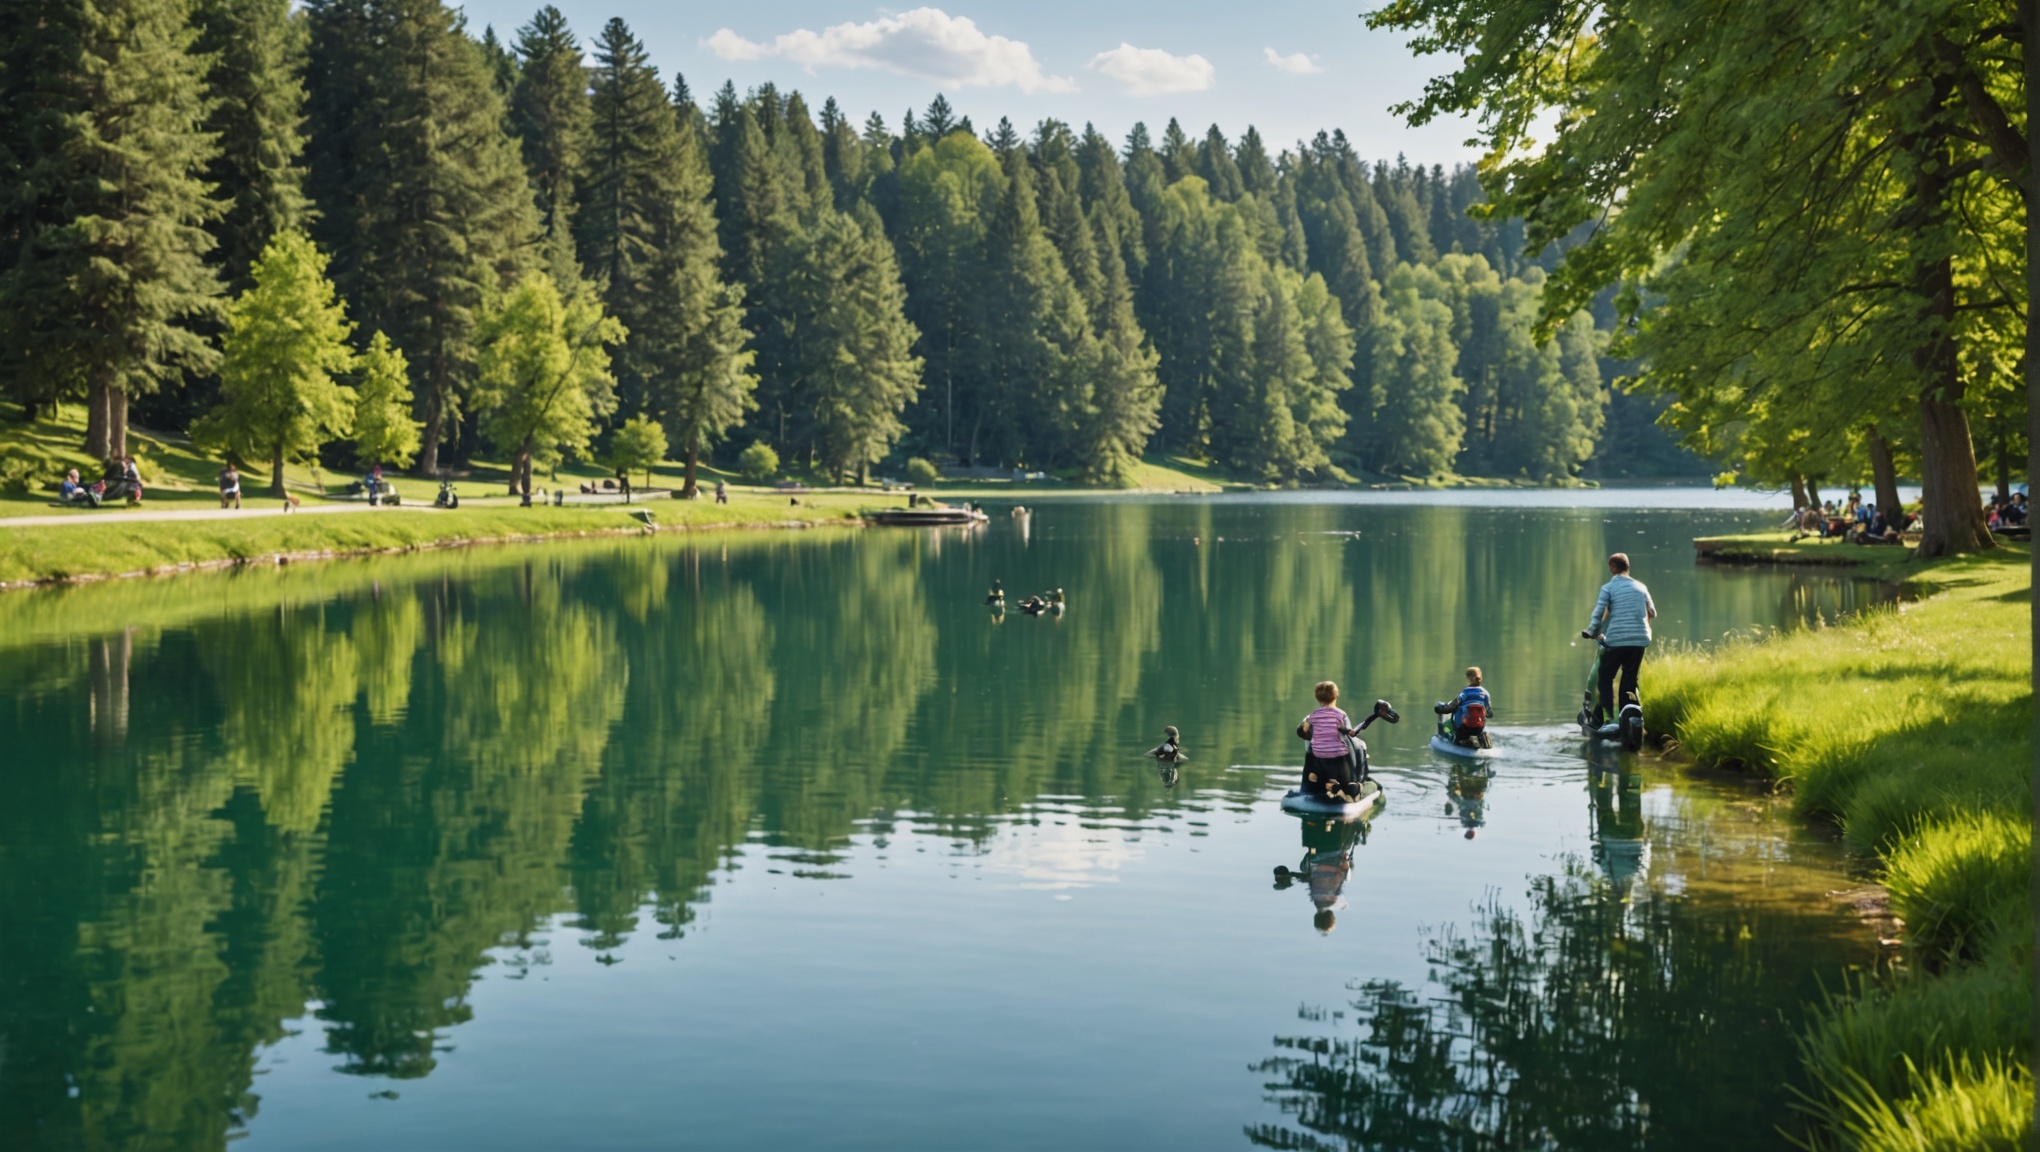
<point x="1621" y="622"/>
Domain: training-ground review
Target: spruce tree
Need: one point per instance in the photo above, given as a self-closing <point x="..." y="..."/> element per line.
<point x="106" y="286"/>
<point x="849" y="344"/>
<point x="649" y="236"/>
<point x="1036" y="346"/>
<point x="423" y="195"/>
<point x="551" y="112"/>
<point x="1126" y="400"/>
<point x="257" y="114"/>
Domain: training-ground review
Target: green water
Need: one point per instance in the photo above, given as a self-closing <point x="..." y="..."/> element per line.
<point x="783" y="840"/>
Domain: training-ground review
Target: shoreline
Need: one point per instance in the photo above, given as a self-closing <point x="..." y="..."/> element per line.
<point x="85" y="553"/>
<point x="1932" y="690"/>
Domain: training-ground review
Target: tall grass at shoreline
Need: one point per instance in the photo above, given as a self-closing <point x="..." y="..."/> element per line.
<point x="1910" y="726"/>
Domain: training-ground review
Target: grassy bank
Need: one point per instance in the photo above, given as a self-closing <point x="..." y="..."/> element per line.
<point x="1911" y="728"/>
<point x="1777" y="547"/>
<point x="34" y="555"/>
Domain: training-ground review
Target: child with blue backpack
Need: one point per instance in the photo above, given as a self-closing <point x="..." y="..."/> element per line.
<point x="1471" y="710"/>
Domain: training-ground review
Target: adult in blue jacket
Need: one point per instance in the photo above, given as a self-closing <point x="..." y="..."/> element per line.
<point x="1621" y="622"/>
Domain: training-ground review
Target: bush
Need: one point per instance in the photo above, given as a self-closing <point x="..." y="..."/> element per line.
<point x="921" y="472"/>
<point x="758" y="463"/>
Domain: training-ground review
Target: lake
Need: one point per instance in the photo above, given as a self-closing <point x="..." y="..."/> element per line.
<point x="783" y="839"/>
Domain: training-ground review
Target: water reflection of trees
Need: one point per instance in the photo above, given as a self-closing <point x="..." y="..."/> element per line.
<point x="349" y="785"/>
<point x="1583" y="1021"/>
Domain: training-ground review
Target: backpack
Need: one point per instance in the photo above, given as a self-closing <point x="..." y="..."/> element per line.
<point x="1473" y="718"/>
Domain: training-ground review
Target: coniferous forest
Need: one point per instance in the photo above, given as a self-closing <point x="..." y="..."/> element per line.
<point x="513" y="249"/>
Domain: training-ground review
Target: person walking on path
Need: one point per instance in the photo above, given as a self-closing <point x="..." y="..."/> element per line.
<point x="1621" y="622"/>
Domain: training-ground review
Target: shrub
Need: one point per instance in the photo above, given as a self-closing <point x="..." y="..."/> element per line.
<point x="921" y="472"/>
<point x="758" y="463"/>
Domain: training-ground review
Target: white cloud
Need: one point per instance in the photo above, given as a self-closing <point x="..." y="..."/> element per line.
<point x="1298" y="65"/>
<point x="1153" y="72"/>
<point x="926" y="42"/>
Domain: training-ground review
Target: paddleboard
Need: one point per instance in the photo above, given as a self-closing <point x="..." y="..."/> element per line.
<point x="1304" y="804"/>
<point x="1444" y="747"/>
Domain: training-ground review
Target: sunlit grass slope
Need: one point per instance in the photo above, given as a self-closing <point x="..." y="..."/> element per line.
<point x="38" y="554"/>
<point x="1910" y="726"/>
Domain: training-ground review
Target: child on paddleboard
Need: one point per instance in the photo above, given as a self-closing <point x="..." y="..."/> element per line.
<point x="1471" y="710"/>
<point x="1328" y="763"/>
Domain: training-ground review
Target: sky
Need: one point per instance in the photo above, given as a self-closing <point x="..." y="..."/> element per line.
<point x="1288" y="67"/>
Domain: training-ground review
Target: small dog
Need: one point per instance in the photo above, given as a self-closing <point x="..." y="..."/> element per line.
<point x="290" y="503"/>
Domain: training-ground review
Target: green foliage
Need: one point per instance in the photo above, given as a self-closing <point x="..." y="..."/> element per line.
<point x="921" y="472"/>
<point x="1821" y="207"/>
<point x="638" y="446"/>
<point x="1415" y="424"/>
<point x="847" y="343"/>
<point x="555" y="122"/>
<point x="257" y="106"/>
<point x="1959" y="882"/>
<point x="106" y="287"/>
<point x="384" y="431"/>
<point x="286" y="344"/>
<point x="422" y="192"/>
<point x="759" y="463"/>
<point x="543" y="378"/>
<point x="1865" y="1043"/>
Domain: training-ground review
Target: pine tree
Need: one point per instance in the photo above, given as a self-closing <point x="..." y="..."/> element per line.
<point x="940" y="120"/>
<point x="1036" y="345"/>
<point x="257" y="112"/>
<point x="551" y="112"/>
<point x="106" y="285"/>
<point x="1215" y="164"/>
<point x="1126" y="401"/>
<point x="850" y="346"/>
<point x="286" y="343"/>
<point x="1178" y="155"/>
<point x="946" y="193"/>
<point x="425" y="204"/>
<point x="649" y="236"/>
<point x="384" y="432"/>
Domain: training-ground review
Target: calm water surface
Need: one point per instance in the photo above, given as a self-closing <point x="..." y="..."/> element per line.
<point x="783" y="840"/>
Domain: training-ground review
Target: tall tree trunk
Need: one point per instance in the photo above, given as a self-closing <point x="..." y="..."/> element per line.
<point x="116" y="420"/>
<point x="435" y="427"/>
<point x="2004" y="468"/>
<point x="276" y="471"/>
<point x="98" y="412"/>
<point x="687" y="489"/>
<point x="1798" y="493"/>
<point x="1812" y="493"/>
<point x="1949" y="497"/>
<point x="1883" y="473"/>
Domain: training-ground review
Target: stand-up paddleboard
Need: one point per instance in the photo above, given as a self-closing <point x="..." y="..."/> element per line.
<point x="1304" y="804"/>
<point x="1445" y="747"/>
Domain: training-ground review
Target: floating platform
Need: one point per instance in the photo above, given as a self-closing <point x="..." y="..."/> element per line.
<point x="927" y="517"/>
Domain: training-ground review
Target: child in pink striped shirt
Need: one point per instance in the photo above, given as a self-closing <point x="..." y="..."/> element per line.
<point x="1328" y="765"/>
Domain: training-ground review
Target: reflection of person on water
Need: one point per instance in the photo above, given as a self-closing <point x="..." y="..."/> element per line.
<point x="1327" y="861"/>
<point x="1470" y="712"/>
<point x="1328" y="769"/>
<point x="1468" y="792"/>
<point x="1621" y="835"/>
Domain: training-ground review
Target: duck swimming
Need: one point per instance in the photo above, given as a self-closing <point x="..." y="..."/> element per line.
<point x="1170" y="750"/>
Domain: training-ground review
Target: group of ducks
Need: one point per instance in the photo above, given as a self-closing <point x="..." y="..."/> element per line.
<point x="1046" y="602"/>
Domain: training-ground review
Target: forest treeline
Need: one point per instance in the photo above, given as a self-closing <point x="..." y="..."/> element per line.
<point x="518" y="249"/>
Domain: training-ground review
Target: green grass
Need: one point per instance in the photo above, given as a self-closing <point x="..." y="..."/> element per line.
<point x="1910" y="726"/>
<point x="43" y="554"/>
<point x="1962" y="1106"/>
<point x="1776" y="546"/>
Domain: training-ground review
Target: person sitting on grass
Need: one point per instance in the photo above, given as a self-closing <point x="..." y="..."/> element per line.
<point x="230" y="485"/>
<point x="73" y="491"/>
<point x="1470" y="712"/>
<point x="1879" y="531"/>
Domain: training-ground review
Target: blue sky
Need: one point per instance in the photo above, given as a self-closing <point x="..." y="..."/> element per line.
<point x="1289" y="67"/>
